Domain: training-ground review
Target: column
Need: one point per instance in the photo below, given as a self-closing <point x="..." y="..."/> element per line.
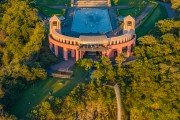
<point x="103" y="53"/>
<point x="109" y="3"/>
<point x="134" y="44"/>
<point x="119" y="51"/>
<point x="81" y="54"/>
<point x="77" y="55"/>
<point x="128" y="51"/>
<point x="73" y="53"/>
<point x="109" y="53"/>
<point x="65" y="53"/>
<point x="56" y="50"/>
<point x="50" y="46"/>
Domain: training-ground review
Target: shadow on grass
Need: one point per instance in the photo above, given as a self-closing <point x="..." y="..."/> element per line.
<point x="40" y="91"/>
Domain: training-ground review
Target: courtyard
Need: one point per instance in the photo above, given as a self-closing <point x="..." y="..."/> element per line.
<point x="91" y="20"/>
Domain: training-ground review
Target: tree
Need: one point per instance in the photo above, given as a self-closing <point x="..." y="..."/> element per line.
<point x="21" y="36"/>
<point x="116" y="2"/>
<point x="153" y="87"/>
<point x="175" y="4"/>
<point x="43" y="112"/>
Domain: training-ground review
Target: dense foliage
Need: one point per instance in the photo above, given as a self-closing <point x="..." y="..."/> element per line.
<point x="85" y="102"/>
<point x="149" y="86"/>
<point x="153" y="92"/>
<point x="21" y="36"/>
<point x="175" y="3"/>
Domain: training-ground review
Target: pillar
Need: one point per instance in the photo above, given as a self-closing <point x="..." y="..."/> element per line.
<point x="77" y="55"/>
<point x="134" y="43"/>
<point x="128" y="51"/>
<point x="81" y="54"/>
<point x="50" y="46"/>
<point x="119" y="51"/>
<point x="56" y="50"/>
<point x="103" y="53"/>
<point x="109" y="3"/>
<point x="109" y="53"/>
<point x="65" y="53"/>
<point x="73" y="53"/>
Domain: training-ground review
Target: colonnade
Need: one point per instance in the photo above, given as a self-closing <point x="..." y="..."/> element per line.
<point x="114" y="44"/>
<point x="76" y="53"/>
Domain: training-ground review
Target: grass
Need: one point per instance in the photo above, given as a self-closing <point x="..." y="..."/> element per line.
<point x="53" y="2"/>
<point x="44" y="7"/>
<point x="158" y="14"/>
<point x="134" y="11"/>
<point x="41" y="91"/>
<point x="51" y="11"/>
<point x="137" y="7"/>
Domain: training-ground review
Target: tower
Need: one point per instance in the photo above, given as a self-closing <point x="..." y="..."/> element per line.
<point x="55" y="23"/>
<point x="129" y="24"/>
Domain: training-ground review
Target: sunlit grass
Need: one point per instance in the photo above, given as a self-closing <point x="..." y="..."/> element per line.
<point x="51" y="11"/>
<point x="136" y="7"/>
<point x="158" y="14"/>
<point x="42" y="90"/>
<point x="53" y="2"/>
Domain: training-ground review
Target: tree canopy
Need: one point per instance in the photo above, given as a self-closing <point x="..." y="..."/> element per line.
<point x="21" y="36"/>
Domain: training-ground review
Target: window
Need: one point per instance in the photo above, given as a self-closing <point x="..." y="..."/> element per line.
<point x="129" y="23"/>
<point x="54" y="23"/>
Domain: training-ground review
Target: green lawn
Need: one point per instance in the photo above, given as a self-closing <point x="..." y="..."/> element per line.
<point x="41" y="91"/>
<point x="158" y="14"/>
<point x="134" y="11"/>
<point x="137" y="7"/>
<point x="53" y="2"/>
<point x="44" y="7"/>
<point x="51" y="11"/>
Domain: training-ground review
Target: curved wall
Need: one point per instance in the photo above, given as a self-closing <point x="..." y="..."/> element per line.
<point x="114" y="44"/>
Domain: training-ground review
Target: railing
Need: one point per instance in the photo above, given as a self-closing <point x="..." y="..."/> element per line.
<point x="121" y="39"/>
<point x="64" y="39"/>
<point x="76" y="41"/>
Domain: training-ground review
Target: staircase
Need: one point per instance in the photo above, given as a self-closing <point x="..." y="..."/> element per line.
<point x="90" y="3"/>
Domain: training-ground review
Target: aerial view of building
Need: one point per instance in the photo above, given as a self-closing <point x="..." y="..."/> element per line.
<point x="89" y="59"/>
<point x="90" y="29"/>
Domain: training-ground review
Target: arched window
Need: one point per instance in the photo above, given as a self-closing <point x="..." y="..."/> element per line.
<point x="129" y="23"/>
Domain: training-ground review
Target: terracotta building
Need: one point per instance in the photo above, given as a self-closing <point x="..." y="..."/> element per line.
<point x="75" y="44"/>
<point x="78" y="46"/>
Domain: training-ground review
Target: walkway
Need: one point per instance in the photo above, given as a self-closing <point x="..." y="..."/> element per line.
<point x="170" y="12"/>
<point x="63" y="65"/>
<point x="144" y="13"/>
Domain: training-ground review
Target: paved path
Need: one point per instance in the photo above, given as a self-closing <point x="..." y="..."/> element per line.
<point x="63" y="65"/>
<point x="118" y="97"/>
<point x="144" y="13"/>
<point x="170" y="12"/>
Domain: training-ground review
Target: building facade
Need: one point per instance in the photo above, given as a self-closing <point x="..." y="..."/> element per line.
<point x="108" y="46"/>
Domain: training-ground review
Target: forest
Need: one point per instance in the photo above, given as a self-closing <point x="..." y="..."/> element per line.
<point x="149" y="86"/>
